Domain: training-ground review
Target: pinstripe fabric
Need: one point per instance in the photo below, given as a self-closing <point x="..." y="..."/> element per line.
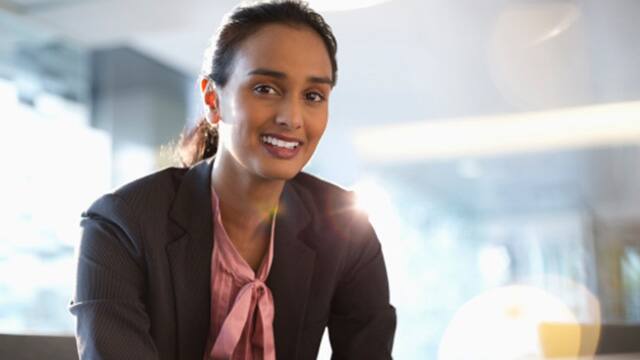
<point x="143" y="283"/>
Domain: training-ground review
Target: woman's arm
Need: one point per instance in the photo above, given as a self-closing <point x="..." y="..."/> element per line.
<point x="362" y="321"/>
<point x="111" y="319"/>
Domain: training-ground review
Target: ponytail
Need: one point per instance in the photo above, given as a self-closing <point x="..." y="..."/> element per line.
<point x="197" y="143"/>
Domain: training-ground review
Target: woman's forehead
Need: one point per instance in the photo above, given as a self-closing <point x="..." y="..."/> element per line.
<point x="292" y="50"/>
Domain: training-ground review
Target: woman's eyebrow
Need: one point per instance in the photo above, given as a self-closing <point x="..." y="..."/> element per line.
<point x="268" y="72"/>
<point x="320" y="80"/>
<point x="280" y="75"/>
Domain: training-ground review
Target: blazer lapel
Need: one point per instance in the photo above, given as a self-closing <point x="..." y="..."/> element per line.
<point x="291" y="272"/>
<point x="190" y="260"/>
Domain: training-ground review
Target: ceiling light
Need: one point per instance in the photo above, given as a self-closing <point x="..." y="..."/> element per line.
<point x="562" y="129"/>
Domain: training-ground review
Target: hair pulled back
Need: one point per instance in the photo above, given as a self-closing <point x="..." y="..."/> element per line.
<point x="201" y="141"/>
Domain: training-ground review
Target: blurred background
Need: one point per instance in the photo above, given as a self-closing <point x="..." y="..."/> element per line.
<point x="495" y="145"/>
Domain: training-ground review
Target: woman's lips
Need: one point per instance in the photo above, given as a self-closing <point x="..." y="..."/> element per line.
<point x="281" y="137"/>
<point x="281" y="147"/>
<point x="281" y="152"/>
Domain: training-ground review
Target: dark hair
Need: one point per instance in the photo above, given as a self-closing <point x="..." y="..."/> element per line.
<point x="201" y="141"/>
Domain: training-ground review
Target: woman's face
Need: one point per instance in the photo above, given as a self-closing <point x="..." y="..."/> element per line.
<point x="273" y="109"/>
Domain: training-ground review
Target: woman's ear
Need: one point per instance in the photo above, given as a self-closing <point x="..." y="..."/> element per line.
<point x="210" y="98"/>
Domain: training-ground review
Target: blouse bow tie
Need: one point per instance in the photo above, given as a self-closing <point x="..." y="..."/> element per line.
<point x="255" y="295"/>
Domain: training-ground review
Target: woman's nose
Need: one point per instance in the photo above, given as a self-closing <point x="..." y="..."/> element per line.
<point x="290" y="114"/>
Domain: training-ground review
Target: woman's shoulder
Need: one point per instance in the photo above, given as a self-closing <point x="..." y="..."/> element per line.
<point x="164" y="182"/>
<point x="153" y="191"/>
<point x="329" y="204"/>
<point x="339" y="226"/>
<point x="319" y="192"/>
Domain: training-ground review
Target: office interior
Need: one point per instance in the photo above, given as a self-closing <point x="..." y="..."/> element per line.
<point x="495" y="146"/>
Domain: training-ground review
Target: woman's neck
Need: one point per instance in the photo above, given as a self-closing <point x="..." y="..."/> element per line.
<point x="246" y="202"/>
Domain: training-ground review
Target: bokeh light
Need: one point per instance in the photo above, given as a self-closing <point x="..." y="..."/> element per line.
<point x="507" y="322"/>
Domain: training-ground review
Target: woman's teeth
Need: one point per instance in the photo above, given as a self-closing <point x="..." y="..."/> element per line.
<point x="280" y="143"/>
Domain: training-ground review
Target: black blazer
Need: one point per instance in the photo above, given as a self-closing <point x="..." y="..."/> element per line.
<point x="144" y="270"/>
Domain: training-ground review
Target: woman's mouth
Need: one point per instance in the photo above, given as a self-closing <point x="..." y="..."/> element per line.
<point x="280" y="148"/>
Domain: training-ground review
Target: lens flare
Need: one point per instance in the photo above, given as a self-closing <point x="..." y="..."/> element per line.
<point x="504" y="324"/>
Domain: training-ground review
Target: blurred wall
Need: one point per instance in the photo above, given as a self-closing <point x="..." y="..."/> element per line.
<point x="142" y="104"/>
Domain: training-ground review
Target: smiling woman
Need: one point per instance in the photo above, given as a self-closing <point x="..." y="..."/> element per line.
<point x="239" y="254"/>
<point x="273" y="108"/>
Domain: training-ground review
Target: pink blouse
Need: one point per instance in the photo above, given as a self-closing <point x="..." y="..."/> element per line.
<point x="242" y="308"/>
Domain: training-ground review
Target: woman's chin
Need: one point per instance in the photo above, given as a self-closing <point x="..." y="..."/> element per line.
<point x="279" y="174"/>
<point x="279" y="170"/>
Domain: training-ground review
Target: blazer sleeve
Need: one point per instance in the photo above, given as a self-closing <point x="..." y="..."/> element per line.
<point x="362" y="322"/>
<point x="111" y="319"/>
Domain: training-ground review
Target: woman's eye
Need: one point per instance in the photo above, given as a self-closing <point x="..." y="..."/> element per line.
<point x="314" y="97"/>
<point x="264" y="89"/>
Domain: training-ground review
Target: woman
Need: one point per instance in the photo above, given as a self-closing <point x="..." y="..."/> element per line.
<point x="239" y="255"/>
